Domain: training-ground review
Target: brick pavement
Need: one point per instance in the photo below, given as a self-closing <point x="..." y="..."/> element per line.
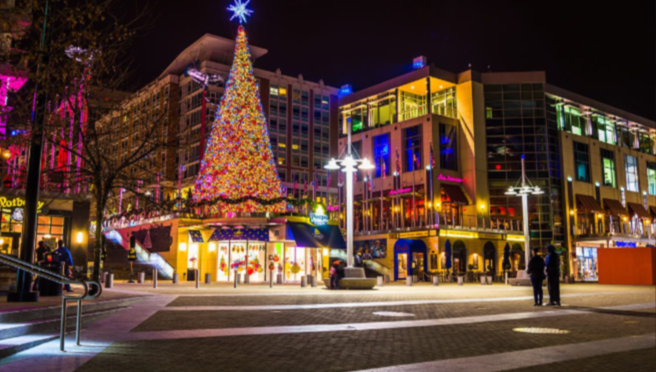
<point x="344" y="351"/>
<point x="634" y="361"/>
<point x="180" y="320"/>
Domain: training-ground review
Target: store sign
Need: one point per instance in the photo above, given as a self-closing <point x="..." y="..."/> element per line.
<point x="442" y="177"/>
<point x="319" y="217"/>
<point x="626" y="244"/>
<point x="17" y="203"/>
<point x="414" y="234"/>
<point x="401" y="191"/>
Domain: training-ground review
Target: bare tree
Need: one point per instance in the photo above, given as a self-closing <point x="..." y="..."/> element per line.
<point x="95" y="141"/>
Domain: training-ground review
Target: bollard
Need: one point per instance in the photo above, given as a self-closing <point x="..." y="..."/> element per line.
<point x="381" y="281"/>
<point x="460" y="280"/>
<point x="506" y="278"/>
<point x="483" y="280"/>
<point x="176" y="278"/>
<point x="110" y="281"/>
<point x="271" y="280"/>
<point x="415" y="279"/>
<point x="154" y="278"/>
<point x="436" y="281"/>
<point x="197" y="280"/>
<point x="408" y="281"/>
<point x="142" y="277"/>
<point x="314" y="281"/>
<point x="104" y="277"/>
<point x="208" y="278"/>
<point x="279" y="279"/>
<point x="236" y="279"/>
<point x="303" y="281"/>
<point x="247" y="278"/>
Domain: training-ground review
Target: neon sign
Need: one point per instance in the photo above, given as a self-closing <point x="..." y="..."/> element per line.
<point x="333" y="208"/>
<point x="447" y="178"/>
<point x="619" y="244"/>
<point x="401" y="191"/>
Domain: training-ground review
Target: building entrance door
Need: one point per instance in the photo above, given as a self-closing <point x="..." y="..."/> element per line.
<point x="402" y="268"/>
<point x="418" y="261"/>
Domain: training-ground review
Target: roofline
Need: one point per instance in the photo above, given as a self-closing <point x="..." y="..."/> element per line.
<point x="599" y="105"/>
<point x="399" y="81"/>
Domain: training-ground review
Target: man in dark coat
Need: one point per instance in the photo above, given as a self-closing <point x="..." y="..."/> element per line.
<point x="536" y="270"/>
<point x="553" y="276"/>
<point x="63" y="255"/>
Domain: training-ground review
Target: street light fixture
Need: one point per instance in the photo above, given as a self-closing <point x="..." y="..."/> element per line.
<point x="348" y="165"/>
<point x="524" y="188"/>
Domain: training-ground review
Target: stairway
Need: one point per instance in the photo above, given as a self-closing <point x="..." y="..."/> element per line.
<point x="22" y="329"/>
<point x="117" y="258"/>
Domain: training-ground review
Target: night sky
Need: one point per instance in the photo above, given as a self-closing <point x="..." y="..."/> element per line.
<point x="607" y="53"/>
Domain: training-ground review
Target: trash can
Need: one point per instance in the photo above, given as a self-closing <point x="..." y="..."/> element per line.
<point x="48" y="287"/>
<point x="191" y="275"/>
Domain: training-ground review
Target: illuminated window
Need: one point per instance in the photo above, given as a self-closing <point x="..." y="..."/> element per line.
<point x="631" y="167"/>
<point x="273" y="90"/>
<point x="651" y="178"/>
<point x="382" y="154"/>
<point x="608" y="168"/>
<point x="581" y="162"/>
<point x="282" y="92"/>
<point x="448" y="147"/>
<point x="412" y="144"/>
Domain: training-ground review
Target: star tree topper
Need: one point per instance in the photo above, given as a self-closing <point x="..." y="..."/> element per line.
<point x="240" y="11"/>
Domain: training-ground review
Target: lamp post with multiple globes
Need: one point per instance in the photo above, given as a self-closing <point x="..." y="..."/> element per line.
<point x="348" y="165"/>
<point x="523" y="188"/>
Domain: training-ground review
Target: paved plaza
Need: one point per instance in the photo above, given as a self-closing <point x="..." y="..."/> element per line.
<point x="394" y="328"/>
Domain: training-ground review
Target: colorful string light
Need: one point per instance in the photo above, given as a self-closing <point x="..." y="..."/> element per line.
<point x="238" y="162"/>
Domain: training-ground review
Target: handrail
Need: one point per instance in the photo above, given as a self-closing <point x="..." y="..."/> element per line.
<point x="63" y="280"/>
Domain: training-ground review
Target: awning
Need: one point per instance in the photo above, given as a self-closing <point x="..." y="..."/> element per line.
<point x="639" y="210"/>
<point x="455" y="193"/>
<point x="615" y="208"/>
<point x="652" y="209"/>
<point x="589" y="203"/>
<point x="260" y="235"/>
<point x="308" y="236"/>
<point x="196" y="236"/>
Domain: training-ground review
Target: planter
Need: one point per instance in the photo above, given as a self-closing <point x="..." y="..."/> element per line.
<point x="483" y="280"/>
<point x="461" y="279"/>
<point x="436" y="280"/>
<point x="278" y="278"/>
<point x="489" y="279"/>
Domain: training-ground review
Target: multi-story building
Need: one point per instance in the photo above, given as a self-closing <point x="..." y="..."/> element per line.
<point x="302" y="116"/>
<point x="448" y="146"/>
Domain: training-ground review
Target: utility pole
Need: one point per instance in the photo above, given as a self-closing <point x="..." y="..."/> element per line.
<point x="24" y="291"/>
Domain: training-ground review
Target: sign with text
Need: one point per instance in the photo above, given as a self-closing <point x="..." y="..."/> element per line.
<point x="448" y="178"/>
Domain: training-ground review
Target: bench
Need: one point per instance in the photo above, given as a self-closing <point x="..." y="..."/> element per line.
<point x="354" y="278"/>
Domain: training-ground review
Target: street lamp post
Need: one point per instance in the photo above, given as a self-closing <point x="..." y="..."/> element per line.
<point x="523" y="188"/>
<point x="347" y="165"/>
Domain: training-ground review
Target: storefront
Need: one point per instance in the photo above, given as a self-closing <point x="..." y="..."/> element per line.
<point x="410" y="258"/>
<point x="586" y="263"/>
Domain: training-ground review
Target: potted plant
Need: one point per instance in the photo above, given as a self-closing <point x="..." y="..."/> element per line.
<point x="461" y="277"/>
<point x="489" y="274"/>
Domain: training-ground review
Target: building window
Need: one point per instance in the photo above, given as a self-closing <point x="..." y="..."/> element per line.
<point x="570" y="119"/>
<point x="581" y="162"/>
<point x="608" y="168"/>
<point x="412" y="144"/>
<point x="651" y="178"/>
<point x="382" y="154"/>
<point x="605" y="129"/>
<point x="631" y="166"/>
<point x="448" y="147"/>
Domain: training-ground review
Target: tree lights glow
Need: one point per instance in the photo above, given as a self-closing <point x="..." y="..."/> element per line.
<point x="238" y="162"/>
<point x="240" y="11"/>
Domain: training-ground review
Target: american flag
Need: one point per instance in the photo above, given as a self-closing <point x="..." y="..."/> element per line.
<point x="328" y="181"/>
<point x="371" y="183"/>
<point x="415" y="161"/>
<point x="383" y="169"/>
<point x="295" y="184"/>
<point x="305" y="186"/>
<point x="315" y="183"/>
<point x="398" y="161"/>
<point x="341" y="179"/>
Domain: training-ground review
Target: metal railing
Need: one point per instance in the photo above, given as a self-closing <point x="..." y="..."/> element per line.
<point x="60" y="279"/>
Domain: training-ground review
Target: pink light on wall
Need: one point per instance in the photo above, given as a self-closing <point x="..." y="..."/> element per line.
<point x="333" y="208"/>
<point x="447" y="178"/>
<point x="401" y="191"/>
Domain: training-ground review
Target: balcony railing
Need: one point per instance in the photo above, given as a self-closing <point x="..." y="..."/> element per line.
<point x="470" y="224"/>
<point x="617" y="229"/>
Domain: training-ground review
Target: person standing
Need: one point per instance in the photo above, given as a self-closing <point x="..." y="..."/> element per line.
<point x="536" y="270"/>
<point x="63" y="255"/>
<point x="553" y="276"/>
<point x="42" y="252"/>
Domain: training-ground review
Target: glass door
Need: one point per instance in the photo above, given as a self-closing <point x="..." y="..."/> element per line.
<point x="402" y="269"/>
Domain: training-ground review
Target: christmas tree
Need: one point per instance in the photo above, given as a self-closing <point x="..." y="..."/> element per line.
<point x="238" y="169"/>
